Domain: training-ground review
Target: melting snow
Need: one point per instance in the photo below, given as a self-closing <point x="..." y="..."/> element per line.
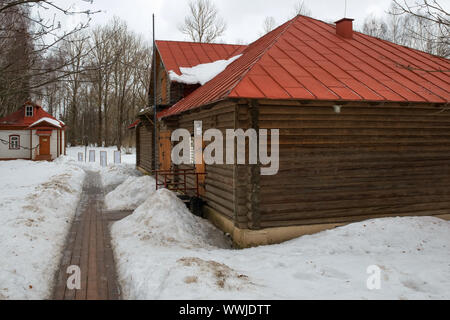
<point x="164" y="252"/>
<point x="201" y="73"/>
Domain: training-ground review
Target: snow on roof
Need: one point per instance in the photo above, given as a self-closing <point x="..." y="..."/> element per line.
<point x="53" y="122"/>
<point x="177" y="54"/>
<point x="202" y="73"/>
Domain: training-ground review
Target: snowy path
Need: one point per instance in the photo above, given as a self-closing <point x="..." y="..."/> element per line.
<point x="89" y="247"/>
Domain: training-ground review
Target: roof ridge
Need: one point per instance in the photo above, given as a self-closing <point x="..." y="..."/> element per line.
<point x="402" y="95"/>
<point x="416" y="74"/>
<point x="317" y="65"/>
<point x="410" y="52"/>
<point x="258" y="58"/>
<point x="205" y="43"/>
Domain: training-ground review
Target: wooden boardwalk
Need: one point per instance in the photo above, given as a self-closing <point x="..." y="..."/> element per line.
<point x="89" y="248"/>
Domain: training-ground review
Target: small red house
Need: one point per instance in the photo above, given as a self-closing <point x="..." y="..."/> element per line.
<point x="31" y="134"/>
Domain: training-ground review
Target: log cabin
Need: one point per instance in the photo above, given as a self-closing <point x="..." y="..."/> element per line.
<point x="31" y="133"/>
<point x="364" y="129"/>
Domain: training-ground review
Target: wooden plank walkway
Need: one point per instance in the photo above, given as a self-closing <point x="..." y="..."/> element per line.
<point x="88" y="246"/>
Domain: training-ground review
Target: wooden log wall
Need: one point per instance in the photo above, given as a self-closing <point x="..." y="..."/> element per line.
<point x="145" y="146"/>
<point x="364" y="162"/>
<point x="222" y="193"/>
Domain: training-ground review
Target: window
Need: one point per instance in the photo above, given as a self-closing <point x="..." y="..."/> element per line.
<point x="14" y="142"/>
<point x="29" y="111"/>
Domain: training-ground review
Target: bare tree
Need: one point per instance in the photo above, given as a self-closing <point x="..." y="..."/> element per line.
<point x="105" y="86"/>
<point x="203" y="24"/>
<point x="427" y="23"/>
<point x="376" y="27"/>
<point x="24" y="30"/>
<point x="74" y="49"/>
<point x="300" y="8"/>
<point x="269" y="24"/>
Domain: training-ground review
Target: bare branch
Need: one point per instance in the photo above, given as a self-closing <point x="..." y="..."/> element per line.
<point x="204" y="23"/>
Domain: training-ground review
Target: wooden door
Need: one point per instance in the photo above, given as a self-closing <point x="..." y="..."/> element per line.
<point x="44" y="145"/>
<point x="165" y="150"/>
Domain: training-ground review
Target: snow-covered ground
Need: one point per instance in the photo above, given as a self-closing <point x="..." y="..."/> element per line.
<point x="37" y="204"/>
<point x="127" y="158"/>
<point x="164" y="252"/>
<point x="38" y="201"/>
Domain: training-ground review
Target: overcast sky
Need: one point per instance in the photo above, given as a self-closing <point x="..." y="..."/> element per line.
<point x="244" y="17"/>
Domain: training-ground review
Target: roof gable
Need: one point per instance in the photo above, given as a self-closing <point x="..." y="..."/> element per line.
<point x="305" y="59"/>
<point x="43" y="122"/>
<point x="18" y="119"/>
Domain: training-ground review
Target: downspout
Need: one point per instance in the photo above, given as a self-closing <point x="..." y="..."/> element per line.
<point x="57" y="143"/>
<point x="31" y="144"/>
<point x="155" y="131"/>
<point x="60" y="142"/>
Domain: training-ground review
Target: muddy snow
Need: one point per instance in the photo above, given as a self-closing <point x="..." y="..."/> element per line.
<point x="37" y="204"/>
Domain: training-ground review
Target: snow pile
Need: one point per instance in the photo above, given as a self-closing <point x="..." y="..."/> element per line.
<point x="114" y="175"/>
<point x="130" y="194"/>
<point x="201" y="73"/>
<point x="162" y="253"/>
<point x="164" y="220"/>
<point x="37" y="203"/>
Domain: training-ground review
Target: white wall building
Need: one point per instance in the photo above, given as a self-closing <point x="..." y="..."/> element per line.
<point x="32" y="134"/>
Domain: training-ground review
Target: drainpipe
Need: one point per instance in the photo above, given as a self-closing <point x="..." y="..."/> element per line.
<point x="155" y="131"/>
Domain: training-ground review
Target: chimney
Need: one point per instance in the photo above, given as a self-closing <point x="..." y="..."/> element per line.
<point x="344" y="28"/>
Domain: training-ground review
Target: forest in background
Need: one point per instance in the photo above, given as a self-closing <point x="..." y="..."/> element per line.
<point x="96" y="79"/>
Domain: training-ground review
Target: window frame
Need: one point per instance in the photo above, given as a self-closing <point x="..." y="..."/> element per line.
<point x="27" y="108"/>
<point x="17" y="142"/>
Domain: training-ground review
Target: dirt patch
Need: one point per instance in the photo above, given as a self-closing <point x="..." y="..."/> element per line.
<point x="58" y="182"/>
<point x="190" y="280"/>
<point x="223" y="276"/>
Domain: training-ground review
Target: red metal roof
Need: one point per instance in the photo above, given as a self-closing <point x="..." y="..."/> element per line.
<point x="18" y="119"/>
<point x="304" y="59"/>
<point x="176" y="54"/>
<point x="134" y="124"/>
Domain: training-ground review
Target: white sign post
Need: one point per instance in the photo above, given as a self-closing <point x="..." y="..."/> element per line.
<point x="92" y="156"/>
<point x="80" y="157"/>
<point x="103" y="158"/>
<point x="117" y="157"/>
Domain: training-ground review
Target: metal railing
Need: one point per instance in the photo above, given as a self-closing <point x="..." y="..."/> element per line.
<point x="176" y="180"/>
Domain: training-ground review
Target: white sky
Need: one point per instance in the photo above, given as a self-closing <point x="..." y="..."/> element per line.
<point x="244" y="17"/>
